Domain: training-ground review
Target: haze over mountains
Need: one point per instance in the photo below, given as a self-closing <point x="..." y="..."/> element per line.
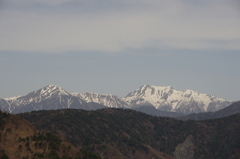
<point x="165" y="99"/>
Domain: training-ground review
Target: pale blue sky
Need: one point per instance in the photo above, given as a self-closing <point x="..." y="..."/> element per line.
<point x="114" y="47"/>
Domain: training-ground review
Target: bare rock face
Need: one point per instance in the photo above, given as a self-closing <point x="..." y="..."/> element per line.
<point x="185" y="150"/>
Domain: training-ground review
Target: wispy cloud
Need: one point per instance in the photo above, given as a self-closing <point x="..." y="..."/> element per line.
<point x="114" y="26"/>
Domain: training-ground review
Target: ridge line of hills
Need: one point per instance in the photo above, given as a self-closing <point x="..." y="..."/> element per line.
<point x="132" y="134"/>
<point x="112" y="133"/>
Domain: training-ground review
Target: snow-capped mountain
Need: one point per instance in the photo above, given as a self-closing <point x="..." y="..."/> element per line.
<point x="104" y="99"/>
<point x="169" y="99"/>
<point x="162" y="98"/>
<point x="38" y="96"/>
<point x="46" y="98"/>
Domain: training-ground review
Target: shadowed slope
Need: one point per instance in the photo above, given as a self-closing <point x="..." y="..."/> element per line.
<point x="135" y="134"/>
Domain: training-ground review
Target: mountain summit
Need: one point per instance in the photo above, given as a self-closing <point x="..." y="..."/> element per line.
<point x="46" y="98"/>
<point x="168" y="99"/>
<point x="38" y="96"/>
<point x="51" y="90"/>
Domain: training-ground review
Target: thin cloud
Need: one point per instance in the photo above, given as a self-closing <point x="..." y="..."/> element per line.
<point x="115" y="26"/>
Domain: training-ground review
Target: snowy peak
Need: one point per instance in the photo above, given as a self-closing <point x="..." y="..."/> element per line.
<point x="166" y="98"/>
<point x="50" y="90"/>
<point x="47" y="92"/>
<point x="43" y="94"/>
<point x="50" y="97"/>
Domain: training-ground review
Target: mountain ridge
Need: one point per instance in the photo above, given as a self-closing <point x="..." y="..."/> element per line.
<point x="164" y="98"/>
<point x="169" y="99"/>
<point x="104" y="99"/>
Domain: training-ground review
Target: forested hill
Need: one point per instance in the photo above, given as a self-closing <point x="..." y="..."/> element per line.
<point x="20" y="140"/>
<point x="119" y="133"/>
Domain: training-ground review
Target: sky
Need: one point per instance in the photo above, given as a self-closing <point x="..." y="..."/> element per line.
<point x="116" y="46"/>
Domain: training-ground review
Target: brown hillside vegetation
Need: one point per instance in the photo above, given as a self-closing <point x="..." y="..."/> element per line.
<point x="120" y="133"/>
<point x="19" y="139"/>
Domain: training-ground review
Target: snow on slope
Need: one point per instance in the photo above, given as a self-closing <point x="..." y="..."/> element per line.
<point x="11" y="98"/>
<point x="169" y="99"/>
<point x="49" y="97"/>
<point x="164" y="98"/>
<point x="4" y="106"/>
<point x="37" y="96"/>
<point x="104" y="99"/>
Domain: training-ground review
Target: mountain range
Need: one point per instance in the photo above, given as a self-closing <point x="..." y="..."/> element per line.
<point x="112" y="133"/>
<point x="123" y="133"/>
<point x="165" y="99"/>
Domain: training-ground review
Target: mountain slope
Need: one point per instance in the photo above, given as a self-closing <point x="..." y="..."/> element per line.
<point x="19" y="140"/>
<point x="230" y="110"/>
<point x="4" y="106"/>
<point x="38" y="96"/>
<point x="94" y="130"/>
<point x="103" y="99"/>
<point x="169" y="99"/>
<point x="151" y="110"/>
<point x="137" y="135"/>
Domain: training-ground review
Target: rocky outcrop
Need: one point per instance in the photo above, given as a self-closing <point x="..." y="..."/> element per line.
<point x="185" y="150"/>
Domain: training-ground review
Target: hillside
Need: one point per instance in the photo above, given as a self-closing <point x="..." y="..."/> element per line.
<point x="151" y="110"/>
<point x="19" y="139"/>
<point x="137" y="135"/>
<point x="98" y="131"/>
<point x="230" y="110"/>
